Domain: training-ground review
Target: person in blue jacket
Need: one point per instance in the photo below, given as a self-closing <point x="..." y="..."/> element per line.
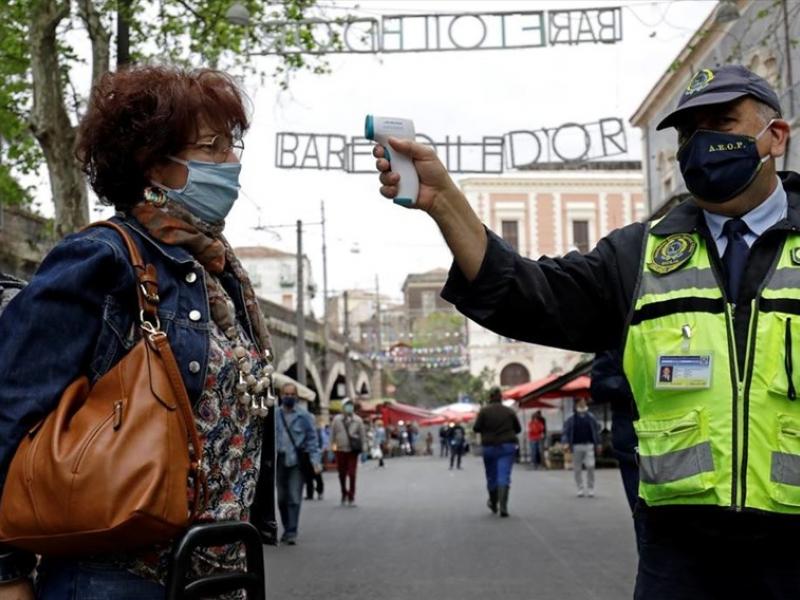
<point x="162" y="145"/>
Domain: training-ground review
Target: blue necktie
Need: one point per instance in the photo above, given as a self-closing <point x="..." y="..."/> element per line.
<point x="735" y="257"/>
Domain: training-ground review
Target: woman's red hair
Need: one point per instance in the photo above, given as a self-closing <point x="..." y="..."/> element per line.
<point x="140" y="115"/>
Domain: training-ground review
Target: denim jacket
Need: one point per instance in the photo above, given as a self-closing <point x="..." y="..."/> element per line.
<point x="78" y="316"/>
<point x="301" y="425"/>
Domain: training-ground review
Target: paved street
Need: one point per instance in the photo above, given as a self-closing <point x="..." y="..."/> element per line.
<point x="421" y="531"/>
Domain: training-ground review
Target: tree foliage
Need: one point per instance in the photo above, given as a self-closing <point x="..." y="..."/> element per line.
<point x="437" y="387"/>
<point x="44" y="58"/>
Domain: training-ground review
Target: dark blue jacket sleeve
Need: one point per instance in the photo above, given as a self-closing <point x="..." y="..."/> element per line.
<point x="576" y="302"/>
<point x="49" y="331"/>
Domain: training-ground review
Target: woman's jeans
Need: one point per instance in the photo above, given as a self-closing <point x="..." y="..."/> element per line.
<point x="498" y="460"/>
<point x="60" y="579"/>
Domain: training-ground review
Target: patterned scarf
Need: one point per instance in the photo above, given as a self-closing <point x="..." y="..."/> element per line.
<point x="172" y="224"/>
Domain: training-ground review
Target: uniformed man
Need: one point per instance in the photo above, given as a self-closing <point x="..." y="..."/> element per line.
<point x="710" y="295"/>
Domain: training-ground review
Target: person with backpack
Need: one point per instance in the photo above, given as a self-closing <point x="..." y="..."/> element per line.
<point x="348" y="440"/>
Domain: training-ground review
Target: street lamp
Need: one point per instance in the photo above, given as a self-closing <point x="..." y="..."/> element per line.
<point x="726" y="13"/>
<point x="237" y="14"/>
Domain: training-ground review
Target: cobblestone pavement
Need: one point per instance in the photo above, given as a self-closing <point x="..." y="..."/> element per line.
<point x="421" y="531"/>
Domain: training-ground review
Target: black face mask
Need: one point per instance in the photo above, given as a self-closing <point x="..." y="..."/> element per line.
<point x="289" y="401"/>
<point x="719" y="166"/>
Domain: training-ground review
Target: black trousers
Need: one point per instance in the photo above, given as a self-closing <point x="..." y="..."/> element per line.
<point x="717" y="555"/>
<point x="311" y="480"/>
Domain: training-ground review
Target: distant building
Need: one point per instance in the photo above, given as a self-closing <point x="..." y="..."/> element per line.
<point x="756" y="39"/>
<point x="421" y="294"/>
<point x="548" y="210"/>
<point x="361" y="306"/>
<point x="274" y="275"/>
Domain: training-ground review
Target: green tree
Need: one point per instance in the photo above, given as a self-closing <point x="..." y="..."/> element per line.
<point x="433" y="387"/>
<point x="40" y="54"/>
<point x="438" y="328"/>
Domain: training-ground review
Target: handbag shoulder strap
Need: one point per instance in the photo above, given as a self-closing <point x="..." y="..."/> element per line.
<point x="289" y="431"/>
<point x="147" y="293"/>
<point x="146" y="275"/>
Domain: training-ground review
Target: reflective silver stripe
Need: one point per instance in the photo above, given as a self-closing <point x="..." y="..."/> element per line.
<point x="676" y="465"/>
<point x="788" y="277"/>
<point x="677" y="280"/>
<point x="785" y="468"/>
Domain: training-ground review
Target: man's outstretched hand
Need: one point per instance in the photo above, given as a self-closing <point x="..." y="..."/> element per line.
<point x="434" y="180"/>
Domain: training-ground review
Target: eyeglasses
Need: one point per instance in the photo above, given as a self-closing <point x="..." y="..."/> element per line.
<point x="219" y="147"/>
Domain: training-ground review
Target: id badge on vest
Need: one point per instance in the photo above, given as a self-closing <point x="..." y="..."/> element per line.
<point x="684" y="370"/>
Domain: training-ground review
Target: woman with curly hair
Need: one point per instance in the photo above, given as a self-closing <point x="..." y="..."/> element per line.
<point x="162" y="145"/>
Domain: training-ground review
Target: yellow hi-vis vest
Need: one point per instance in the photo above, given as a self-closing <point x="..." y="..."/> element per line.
<point x="731" y="439"/>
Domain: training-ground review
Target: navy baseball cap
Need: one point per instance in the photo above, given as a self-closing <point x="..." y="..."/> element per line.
<point x="720" y="85"/>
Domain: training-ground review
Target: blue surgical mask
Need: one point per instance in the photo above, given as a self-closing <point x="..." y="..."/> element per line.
<point x="289" y="401"/>
<point x="718" y="166"/>
<point x="210" y="190"/>
<point x="348" y="408"/>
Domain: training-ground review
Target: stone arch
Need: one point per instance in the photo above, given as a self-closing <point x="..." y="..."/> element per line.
<point x="362" y="382"/>
<point x="514" y="373"/>
<point x="289" y="359"/>
<point x="336" y="371"/>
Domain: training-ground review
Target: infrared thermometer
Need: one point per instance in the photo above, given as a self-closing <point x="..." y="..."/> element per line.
<point x="380" y="129"/>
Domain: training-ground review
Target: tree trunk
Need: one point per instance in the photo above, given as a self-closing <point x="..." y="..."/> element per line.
<point x="99" y="35"/>
<point x="50" y="122"/>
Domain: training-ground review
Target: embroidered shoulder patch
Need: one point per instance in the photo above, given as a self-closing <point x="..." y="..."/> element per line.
<point x="672" y="253"/>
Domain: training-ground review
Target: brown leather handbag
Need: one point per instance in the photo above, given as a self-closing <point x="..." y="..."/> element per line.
<point x="115" y="466"/>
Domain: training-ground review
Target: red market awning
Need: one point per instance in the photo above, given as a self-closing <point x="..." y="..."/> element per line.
<point x="449" y="416"/>
<point x="575" y="384"/>
<point x="393" y="412"/>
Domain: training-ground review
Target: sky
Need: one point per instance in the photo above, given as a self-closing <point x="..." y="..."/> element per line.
<point x="472" y="94"/>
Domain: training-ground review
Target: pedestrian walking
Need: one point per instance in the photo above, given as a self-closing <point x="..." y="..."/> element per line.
<point x="429" y="444"/>
<point x="456" y="439"/>
<point x="328" y="456"/>
<point x="161" y="145"/>
<point x="411" y="431"/>
<point x="702" y="303"/>
<point x="444" y="443"/>
<point x="313" y="477"/>
<point x="380" y="447"/>
<point x="498" y="426"/>
<point x="298" y="456"/>
<point x="582" y="437"/>
<point x="537" y="430"/>
<point x="348" y="440"/>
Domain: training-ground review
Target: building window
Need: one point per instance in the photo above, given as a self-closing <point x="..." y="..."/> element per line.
<point x="511" y="233"/>
<point x="428" y="302"/>
<point x="514" y="374"/>
<point x="580" y="236"/>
